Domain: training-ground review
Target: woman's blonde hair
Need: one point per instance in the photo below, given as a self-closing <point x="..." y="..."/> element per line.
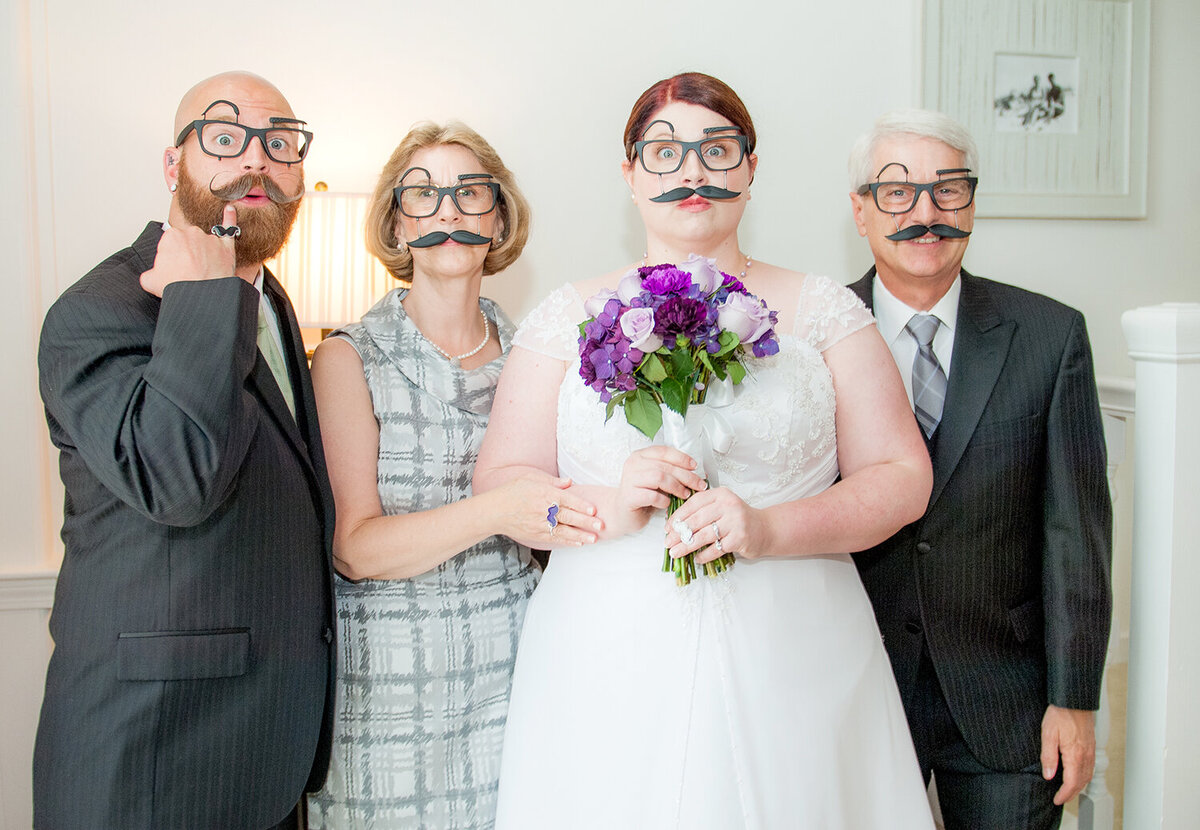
<point x="381" y="218"/>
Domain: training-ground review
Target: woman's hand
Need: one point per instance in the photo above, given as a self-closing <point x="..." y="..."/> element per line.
<point x="717" y="514"/>
<point x="650" y="476"/>
<point x="524" y="507"/>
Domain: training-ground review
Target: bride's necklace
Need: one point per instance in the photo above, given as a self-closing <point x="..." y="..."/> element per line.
<point x="457" y="359"/>
<point x="741" y="276"/>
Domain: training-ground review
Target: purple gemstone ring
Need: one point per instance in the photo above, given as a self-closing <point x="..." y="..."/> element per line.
<point x="552" y="517"/>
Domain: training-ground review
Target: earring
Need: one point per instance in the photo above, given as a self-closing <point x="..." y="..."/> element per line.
<point x="633" y="198"/>
<point x="400" y="246"/>
<point x="174" y="187"/>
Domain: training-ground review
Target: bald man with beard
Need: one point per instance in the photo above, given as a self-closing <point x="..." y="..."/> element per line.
<point x="191" y="680"/>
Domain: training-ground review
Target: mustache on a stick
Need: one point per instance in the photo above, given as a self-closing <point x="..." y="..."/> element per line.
<point x="708" y="191"/>
<point x="433" y="238"/>
<point x="915" y="231"/>
<point x="242" y="185"/>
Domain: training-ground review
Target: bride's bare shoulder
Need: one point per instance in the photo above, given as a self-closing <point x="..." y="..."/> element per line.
<point x="778" y="287"/>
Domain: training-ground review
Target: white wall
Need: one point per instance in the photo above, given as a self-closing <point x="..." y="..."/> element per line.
<point x="88" y="91"/>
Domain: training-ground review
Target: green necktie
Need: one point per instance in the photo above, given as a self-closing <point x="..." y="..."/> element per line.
<point x="270" y="352"/>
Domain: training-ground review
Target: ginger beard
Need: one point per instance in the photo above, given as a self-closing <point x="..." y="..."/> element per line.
<point x="264" y="229"/>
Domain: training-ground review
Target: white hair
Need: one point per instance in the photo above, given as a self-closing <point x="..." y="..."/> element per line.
<point x="921" y="123"/>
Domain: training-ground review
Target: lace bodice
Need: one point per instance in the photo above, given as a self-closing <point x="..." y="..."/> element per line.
<point x="782" y="415"/>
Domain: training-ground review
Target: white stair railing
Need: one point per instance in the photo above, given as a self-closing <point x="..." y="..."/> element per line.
<point x="1163" y="719"/>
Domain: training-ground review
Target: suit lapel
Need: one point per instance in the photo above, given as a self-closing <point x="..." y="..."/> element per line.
<point x="981" y="341"/>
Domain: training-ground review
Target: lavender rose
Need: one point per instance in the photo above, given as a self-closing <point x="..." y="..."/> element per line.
<point x="745" y="316"/>
<point x="594" y="305"/>
<point x="629" y="287"/>
<point x="704" y="272"/>
<point x="638" y="325"/>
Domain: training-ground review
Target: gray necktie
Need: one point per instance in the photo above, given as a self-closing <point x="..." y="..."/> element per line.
<point x="928" y="379"/>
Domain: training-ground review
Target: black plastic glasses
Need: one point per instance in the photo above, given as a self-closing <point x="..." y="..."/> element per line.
<point x="284" y="141"/>
<point x="901" y="197"/>
<point x="419" y="201"/>
<point x="719" y="153"/>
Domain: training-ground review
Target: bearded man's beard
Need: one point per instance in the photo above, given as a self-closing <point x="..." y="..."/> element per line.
<point x="264" y="229"/>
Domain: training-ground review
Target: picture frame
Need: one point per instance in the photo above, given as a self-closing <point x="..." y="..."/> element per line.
<point x="1055" y="93"/>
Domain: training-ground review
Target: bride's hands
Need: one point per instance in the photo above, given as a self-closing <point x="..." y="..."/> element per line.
<point x="524" y="505"/>
<point x="713" y="514"/>
<point x="649" y="477"/>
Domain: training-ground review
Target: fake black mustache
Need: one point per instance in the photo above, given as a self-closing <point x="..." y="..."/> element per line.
<point x="708" y="191"/>
<point x="914" y="231"/>
<point x="244" y="184"/>
<point x="433" y="238"/>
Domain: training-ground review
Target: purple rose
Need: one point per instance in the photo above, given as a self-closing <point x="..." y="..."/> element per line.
<point x="638" y="325"/>
<point x="629" y="286"/>
<point x="595" y="304"/>
<point x="746" y="316"/>
<point x="705" y="275"/>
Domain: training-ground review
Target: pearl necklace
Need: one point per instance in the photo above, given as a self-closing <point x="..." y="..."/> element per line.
<point x="741" y="276"/>
<point x="457" y="359"/>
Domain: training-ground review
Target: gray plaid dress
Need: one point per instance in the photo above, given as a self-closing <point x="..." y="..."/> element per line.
<point x="424" y="664"/>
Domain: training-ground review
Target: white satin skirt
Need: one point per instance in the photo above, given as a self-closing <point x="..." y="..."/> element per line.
<point x="760" y="699"/>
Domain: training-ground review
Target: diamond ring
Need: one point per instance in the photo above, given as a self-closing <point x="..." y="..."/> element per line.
<point x="685" y="533"/>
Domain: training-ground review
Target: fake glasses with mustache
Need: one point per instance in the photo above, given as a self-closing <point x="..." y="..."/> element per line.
<point x="901" y="197"/>
<point x="718" y="153"/>
<point x="472" y="198"/>
<point x="222" y="137"/>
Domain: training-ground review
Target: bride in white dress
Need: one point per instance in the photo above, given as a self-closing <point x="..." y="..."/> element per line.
<point x="761" y="698"/>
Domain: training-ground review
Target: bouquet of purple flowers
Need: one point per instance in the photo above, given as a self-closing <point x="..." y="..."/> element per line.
<point x="655" y="345"/>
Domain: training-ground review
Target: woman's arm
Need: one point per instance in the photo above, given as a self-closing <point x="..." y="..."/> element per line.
<point x="369" y="545"/>
<point x="886" y="476"/>
<point x="521" y="438"/>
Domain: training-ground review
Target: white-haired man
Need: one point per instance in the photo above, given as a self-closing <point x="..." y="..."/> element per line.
<point x="995" y="606"/>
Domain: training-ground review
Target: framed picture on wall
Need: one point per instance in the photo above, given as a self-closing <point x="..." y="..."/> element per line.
<point x="1055" y="93"/>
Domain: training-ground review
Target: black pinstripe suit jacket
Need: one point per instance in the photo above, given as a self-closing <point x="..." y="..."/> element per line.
<point x="191" y="680"/>
<point x="1006" y="577"/>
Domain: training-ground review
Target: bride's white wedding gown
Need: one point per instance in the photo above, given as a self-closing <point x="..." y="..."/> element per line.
<point x="759" y="699"/>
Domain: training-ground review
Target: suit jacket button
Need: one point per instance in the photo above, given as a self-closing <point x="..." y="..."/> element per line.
<point x="912" y="627"/>
<point x="327" y="635"/>
<point x="924" y="547"/>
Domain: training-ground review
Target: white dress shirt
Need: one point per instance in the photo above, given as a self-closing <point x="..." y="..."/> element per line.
<point x="892" y="315"/>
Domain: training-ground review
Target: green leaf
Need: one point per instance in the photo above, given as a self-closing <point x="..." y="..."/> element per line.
<point x="683" y="363"/>
<point x="736" y="371"/>
<point x="704" y="359"/>
<point x="675" y="395"/>
<point x="729" y="341"/>
<point x="613" y="402"/>
<point x="642" y="412"/>
<point x="652" y="368"/>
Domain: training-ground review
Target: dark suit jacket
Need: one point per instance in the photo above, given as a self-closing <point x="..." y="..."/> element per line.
<point x="192" y="676"/>
<point x="1006" y="577"/>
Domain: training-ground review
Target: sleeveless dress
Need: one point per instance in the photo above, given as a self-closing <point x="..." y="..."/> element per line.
<point x="760" y="699"/>
<point x="424" y="664"/>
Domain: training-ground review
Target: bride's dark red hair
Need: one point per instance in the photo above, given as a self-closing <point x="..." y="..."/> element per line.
<point x="690" y="88"/>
